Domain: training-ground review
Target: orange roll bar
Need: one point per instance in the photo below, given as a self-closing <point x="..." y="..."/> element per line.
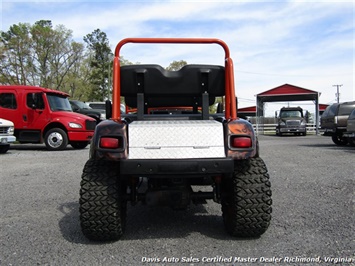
<point x="229" y="75"/>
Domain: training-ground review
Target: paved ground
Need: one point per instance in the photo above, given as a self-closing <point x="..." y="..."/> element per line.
<point x="313" y="213"/>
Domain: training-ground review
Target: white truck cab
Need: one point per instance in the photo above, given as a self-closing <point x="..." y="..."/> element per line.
<point x="6" y="135"/>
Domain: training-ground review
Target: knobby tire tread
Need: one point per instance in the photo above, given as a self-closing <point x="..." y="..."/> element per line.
<point x="102" y="210"/>
<point x="246" y="205"/>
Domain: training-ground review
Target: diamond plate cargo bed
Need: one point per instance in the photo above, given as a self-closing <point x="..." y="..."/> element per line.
<point x="176" y="139"/>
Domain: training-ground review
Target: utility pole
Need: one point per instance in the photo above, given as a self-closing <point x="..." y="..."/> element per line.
<point x="337" y="94"/>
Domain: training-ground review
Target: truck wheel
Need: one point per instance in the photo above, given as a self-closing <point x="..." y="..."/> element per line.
<point x="56" y="139"/>
<point x="246" y="199"/>
<point x="339" y="140"/>
<point x="4" y="148"/>
<point x="79" y="144"/>
<point x="102" y="205"/>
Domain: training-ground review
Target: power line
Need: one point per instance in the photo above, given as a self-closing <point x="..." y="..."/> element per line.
<point x="293" y="75"/>
<point x="246" y="100"/>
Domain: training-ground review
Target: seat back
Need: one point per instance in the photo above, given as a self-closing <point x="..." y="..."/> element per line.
<point x="158" y="87"/>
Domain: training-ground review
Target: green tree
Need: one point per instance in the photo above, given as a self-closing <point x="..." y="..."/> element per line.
<point x="77" y="82"/>
<point x="176" y="65"/>
<point x="15" y="55"/>
<point x="38" y="55"/>
<point x="54" y="53"/>
<point x="100" y="64"/>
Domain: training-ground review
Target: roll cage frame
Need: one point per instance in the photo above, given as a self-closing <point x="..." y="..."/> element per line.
<point x="230" y="103"/>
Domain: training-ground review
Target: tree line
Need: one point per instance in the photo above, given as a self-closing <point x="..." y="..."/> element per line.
<point x="45" y="55"/>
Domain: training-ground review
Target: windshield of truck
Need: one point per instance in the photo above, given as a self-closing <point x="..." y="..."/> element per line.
<point x="294" y="113"/>
<point x="58" y="103"/>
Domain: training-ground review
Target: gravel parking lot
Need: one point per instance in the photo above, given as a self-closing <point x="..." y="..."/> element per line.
<point x="312" y="222"/>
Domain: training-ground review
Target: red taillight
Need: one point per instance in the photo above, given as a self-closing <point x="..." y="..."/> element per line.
<point x="240" y="142"/>
<point x="109" y="143"/>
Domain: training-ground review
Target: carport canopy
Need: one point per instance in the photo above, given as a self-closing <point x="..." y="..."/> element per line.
<point x="246" y="111"/>
<point x="287" y="93"/>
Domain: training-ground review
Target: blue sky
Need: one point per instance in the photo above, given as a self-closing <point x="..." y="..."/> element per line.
<point x="304" y="43"/>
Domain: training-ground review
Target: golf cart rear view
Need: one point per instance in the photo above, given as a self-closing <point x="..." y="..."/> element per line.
<point x="175" y="158"/>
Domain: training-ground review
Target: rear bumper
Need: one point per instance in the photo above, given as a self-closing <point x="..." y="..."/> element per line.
<point x="334" y="131"/>
<point x="181" y="167"/>
<point x="329" y="131"/>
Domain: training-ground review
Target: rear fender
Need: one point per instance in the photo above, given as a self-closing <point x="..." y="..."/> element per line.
<point x="110" y="129"/>
<point x="240" y="128"/>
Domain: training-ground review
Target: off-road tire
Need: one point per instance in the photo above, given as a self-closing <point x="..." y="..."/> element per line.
<point x="56" y="139"/>
<point x="246" y="199"/>
<point x="339" y="140"/>
<point x="102" y="205"/>
<point x="79" y="144"/>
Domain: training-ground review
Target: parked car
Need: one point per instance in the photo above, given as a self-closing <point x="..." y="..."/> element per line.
<point x="334" y="121"/>
<point x="99" y="106"/>
<point x="350" y="129"/>
<point x="7" y="130"/>
<point x="83" y="108"/>
<point x="102" y="107"/>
